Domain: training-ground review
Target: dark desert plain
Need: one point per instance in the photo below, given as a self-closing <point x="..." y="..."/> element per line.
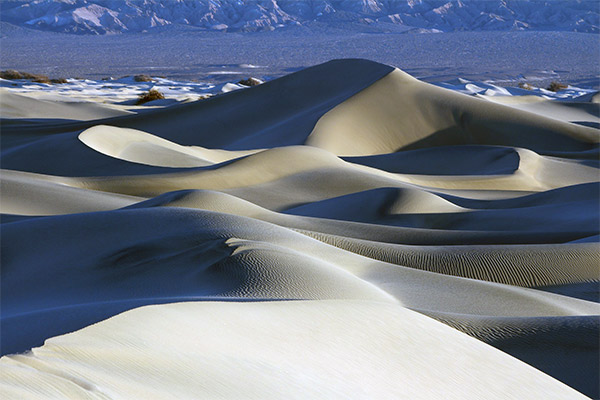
<point x="381" y="213"/>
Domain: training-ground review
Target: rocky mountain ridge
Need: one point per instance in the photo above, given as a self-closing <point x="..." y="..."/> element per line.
<point x="416" y="16"/>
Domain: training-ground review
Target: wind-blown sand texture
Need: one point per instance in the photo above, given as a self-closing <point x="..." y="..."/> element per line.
<point x="345" y="231"/>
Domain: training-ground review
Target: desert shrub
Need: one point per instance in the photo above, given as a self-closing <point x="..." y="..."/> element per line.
<point x="35" y="77"/>
<point x="13" y="74"/>
<point x="150" y="95"/>
<point x="41" y="80"/>
<point x="142" y="78"/>
<point x="250" y="82"/>
<point x="525" y="86"/>
<point x="556" y="86"/>
<point x="10" y="74"/>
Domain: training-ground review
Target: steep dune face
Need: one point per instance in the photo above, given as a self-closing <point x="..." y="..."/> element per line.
<point x="343" y="202"/>
<point x="399" y="112"/>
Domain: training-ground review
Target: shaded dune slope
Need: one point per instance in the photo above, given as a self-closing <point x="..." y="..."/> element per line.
<point x="348" y="187"/>
<point x="279" y="113"/>
<point x="437" y="118"/>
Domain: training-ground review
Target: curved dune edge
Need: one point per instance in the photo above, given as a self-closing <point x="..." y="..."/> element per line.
<point x="399" y="112"/>
<point x="315" y="174"/>
<point x="529" y="266"/>
<point x="317" y="349"/>
<point x="23" y="193"/>
<point x="141" y="147"/>
<point x="187" y="254"/>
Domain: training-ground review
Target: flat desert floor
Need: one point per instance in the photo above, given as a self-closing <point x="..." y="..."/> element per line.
<point x="344" y="231"/>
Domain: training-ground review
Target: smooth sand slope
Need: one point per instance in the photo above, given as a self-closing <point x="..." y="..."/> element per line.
<point x="286" y="346"/>
<point x="343" y="231"/>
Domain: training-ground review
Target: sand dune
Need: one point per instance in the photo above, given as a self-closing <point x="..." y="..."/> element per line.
<point x="220" y="350"/>
<point x="144" y="148"/>
<point x="437" y="118"/>
<point x="24" y="193"/>
<point x="301" y="237"/>
<point x="17" y="106"/>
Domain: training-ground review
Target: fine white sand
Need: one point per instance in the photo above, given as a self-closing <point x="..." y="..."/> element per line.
<point x="299" y="350"/>
<point x="346" y="231"/>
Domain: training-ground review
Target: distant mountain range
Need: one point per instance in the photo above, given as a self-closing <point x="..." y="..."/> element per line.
<point x="100" y="17"/>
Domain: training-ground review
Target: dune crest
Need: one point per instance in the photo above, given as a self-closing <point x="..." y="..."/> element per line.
<point x="399" y="112"/>
<point x="144" y="148"/>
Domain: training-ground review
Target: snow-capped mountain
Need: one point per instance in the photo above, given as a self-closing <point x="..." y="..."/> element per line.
<point x="118" y="16"/>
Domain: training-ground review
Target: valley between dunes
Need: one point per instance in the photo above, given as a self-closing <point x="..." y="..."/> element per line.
<point x="345" y="231"/>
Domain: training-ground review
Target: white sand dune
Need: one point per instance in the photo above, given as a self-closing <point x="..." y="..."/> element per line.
<point x="221" y="350"/>
<point x="585" y="113"/>
<point x="144" y="148"/>
<point x="300" y="239"/>
<point x="18" y="106"/>
<point x="25" y="193"/>
<point x="437" y="118"/>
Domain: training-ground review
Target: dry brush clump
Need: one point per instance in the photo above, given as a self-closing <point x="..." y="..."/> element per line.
<point x="12" y="74"/>
<point x="150" y="95"/>
<point x="553" y="87"/>
<point x="525" y="85"/>
<point x="142" y="78"/>
<point x="250" y="82"/>
<point x="556" y="86"/>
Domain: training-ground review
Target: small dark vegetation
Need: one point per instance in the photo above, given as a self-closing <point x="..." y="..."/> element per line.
<point x="150" y="95"/>
<point x="13" y="74"/>
<point x="38" y="78"/>
<point x="142" y="78"/>
<point x="250" y="82"/>
<point x="526" y="86"/>
<point x="556" y="86"/>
